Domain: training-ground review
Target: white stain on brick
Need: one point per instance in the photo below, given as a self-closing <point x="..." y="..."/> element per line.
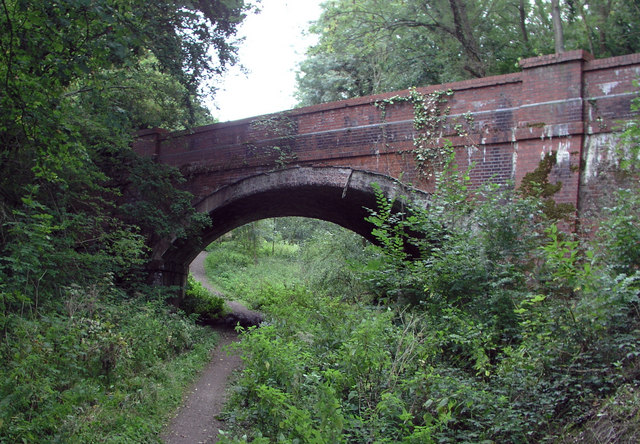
<point x="479" y="104"/>
<point x="551" y="131"/>
<point x="591" y="160"/>
<point x="600" y="153"/>
<point x="562" y="130"/>
<point x="563" y="156"/>
<point x="543" y="152"/>
<point x="608" y="87"/>
<point x="470" y="150"/>
<point x="546" y="132"/>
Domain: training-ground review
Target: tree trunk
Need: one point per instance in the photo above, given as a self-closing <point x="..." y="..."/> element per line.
<point x="464" y="34"/>
<point x="557" y="26"/>
<point x="523" y="23"/>
<point x="587" y="26"/>
<point x="604" y="11"/>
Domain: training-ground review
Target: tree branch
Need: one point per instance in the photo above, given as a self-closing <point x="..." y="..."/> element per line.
<point x="10" y="49"/>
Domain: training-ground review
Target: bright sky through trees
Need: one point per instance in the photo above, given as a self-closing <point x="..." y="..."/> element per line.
<point x="275" y="42"/>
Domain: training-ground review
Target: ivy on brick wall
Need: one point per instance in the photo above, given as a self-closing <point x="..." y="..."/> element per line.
<point x="432" y="151"/>
<point x="279" y="130"/>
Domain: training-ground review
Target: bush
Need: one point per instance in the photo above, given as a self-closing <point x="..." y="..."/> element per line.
<point x="619" y="233"/>
<point x="505" y="329"/>
<point x="200" y="301"/>
<point x="98" y="367"/>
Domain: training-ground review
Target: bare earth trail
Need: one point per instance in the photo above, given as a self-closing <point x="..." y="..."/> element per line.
<point x="196" y="421"/>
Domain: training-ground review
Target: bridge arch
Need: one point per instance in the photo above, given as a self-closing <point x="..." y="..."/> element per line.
<point x="335" y="194"/>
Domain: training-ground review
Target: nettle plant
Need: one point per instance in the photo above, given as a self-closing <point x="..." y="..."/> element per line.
<point x="432" y="152"/>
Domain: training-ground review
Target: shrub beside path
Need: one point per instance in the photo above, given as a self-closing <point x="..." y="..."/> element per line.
<point x="196" y="421"/>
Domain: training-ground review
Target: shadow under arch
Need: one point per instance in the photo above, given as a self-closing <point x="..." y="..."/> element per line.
<point x="335" y="194"/>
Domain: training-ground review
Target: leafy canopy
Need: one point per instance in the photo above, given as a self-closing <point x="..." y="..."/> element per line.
<point x="371" y="46"/>
<point x="77" y="78"/>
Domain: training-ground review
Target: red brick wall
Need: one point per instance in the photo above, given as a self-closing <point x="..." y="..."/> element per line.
<point x="563" y="103"/>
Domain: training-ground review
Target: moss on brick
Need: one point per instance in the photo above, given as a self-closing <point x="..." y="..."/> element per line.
<point x="536" y="184"/>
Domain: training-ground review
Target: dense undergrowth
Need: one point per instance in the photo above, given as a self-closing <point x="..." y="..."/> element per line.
<point x="101" y="367"/>
<point x="506" y="329"/>
<point x="88" y="352"/>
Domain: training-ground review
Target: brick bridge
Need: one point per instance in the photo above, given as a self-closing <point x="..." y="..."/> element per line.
<point x="321" y="161"/>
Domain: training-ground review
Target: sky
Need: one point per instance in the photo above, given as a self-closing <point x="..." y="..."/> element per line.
<point x="275" y="43"/>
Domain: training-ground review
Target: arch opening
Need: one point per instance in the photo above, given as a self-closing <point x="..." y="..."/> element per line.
<point x="338" y="195"/>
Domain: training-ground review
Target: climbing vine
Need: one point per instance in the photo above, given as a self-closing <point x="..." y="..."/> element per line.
<point x="428" y="121"/>
<point x="432" y="152"/>
<point x="280" y="129"/>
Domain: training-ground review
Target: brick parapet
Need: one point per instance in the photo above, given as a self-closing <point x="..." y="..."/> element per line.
<point x="510" y="122"/>
<point x="578" y="55"/>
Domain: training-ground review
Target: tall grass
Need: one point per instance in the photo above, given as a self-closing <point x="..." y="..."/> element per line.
<point x="97" y="367"/>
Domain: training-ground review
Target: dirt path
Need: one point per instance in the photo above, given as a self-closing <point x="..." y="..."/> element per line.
<point x="196" y="422"/>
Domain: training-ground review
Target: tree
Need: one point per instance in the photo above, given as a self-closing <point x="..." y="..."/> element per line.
<point x="77" y="77"/>
<point x="606" y="27"/>
<point x="400" y="44"/>
<point x="371" y="46"/>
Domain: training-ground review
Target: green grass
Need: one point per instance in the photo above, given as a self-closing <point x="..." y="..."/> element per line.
<point x="97" y="367"/>
<point x="138" y="409"/>
<point x="239" y="277"/>
<point x="326" y="260"/>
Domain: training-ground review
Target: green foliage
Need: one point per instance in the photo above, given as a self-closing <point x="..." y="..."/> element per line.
<point x="367" y="46"/>
<point x="241" y="273"/>
<point x="98" y="367"/>
<point x="77" y="79"/>
<point x="293" y="377"/>
<point x="197" y="299"/>
<point x="431" y="152"/>
<point x="629" y="149"/>
<point x="260" y="259"/>
<point x="536" y="184"/>
<point x="619" y="235"/>
<point x="280" y="129"/>
<point x="501" y="329"/>
<point x="333" y="260"/>
<point x="85" y="343"/>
